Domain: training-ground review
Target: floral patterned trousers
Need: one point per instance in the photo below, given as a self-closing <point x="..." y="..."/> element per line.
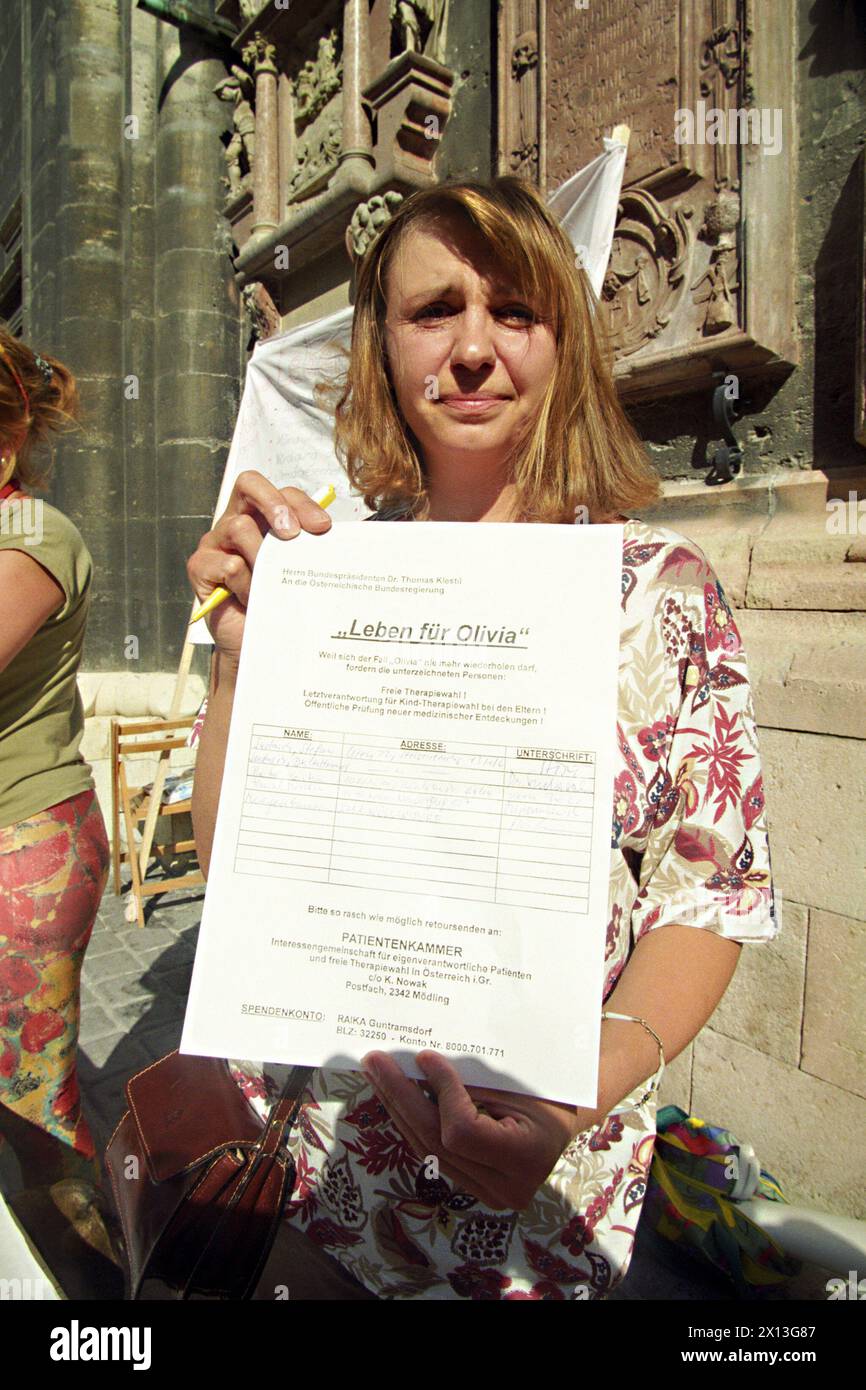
<point x="53" y="869"/>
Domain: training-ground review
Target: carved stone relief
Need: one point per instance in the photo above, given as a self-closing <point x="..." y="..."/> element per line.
<point x="250" y="9"/>
<point x="523" y="154"/>
<point x="259" y="54"/>
<point x="645" y="274"/>
<point x="318" y="80"/>
<point x="694" y="80"/>
<point x="368" y="220"/>
<point x="346" y="120"/>
<point x="315" y="158"/>
<point x="716" y="287"/>
<point x="520" y="78"/>
<point x="721" y="67"/>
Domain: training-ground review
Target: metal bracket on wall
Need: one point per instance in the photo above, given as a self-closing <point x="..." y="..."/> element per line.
<point x="727" y="459"/>
<point x="179" y="12"/>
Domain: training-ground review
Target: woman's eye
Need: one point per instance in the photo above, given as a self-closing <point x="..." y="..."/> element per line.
<point x="516" y="313"/>
<point x="519" y="312"/>
<point x="434" y="311"/>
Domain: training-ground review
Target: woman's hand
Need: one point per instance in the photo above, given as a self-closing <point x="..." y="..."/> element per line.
<point x="226" y="555"/>
<point x="500" y="1154"/>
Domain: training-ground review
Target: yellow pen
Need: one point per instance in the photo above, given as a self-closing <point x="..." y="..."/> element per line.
<point x="325" y="496"/>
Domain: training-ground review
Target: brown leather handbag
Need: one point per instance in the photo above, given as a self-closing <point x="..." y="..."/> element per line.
<point x="199" y="1180"/>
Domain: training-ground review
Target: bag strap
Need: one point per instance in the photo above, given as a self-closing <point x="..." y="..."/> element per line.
<point x="279" y="1122"/>
<point x="283" y="1113"/>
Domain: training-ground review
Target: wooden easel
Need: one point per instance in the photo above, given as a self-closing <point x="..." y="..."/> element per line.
<point x="129" y="739"/>
<point x="165" y="746"/>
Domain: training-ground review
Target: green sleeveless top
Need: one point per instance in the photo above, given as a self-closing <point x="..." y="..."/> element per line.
<point x="41" y="715"/>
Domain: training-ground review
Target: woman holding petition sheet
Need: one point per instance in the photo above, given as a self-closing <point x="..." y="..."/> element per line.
<point x="442" y="1191"/>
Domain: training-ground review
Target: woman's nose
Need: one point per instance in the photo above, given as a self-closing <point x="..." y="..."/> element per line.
<point x="473" y="340"/>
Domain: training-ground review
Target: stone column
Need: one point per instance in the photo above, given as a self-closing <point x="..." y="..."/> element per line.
<point x="197" y="320"/>
<point x="356" y="65"/>
<point x="141" y="615"/>
<point x="75" y="299"/>
<point x="266" y="197"/>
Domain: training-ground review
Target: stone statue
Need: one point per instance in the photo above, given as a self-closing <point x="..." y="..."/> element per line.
<point x="238" y="88"/>
<point x="721" y="219"/>
<point x="406" y="15"/>
<point x="720" y="311"/>
<point x="422" y="25"/>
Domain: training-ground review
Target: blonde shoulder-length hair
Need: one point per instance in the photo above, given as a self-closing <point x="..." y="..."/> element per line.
<point x="579" y="451"/>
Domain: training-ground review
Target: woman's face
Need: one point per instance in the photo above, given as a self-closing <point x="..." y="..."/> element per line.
<point x="469" y="358"/>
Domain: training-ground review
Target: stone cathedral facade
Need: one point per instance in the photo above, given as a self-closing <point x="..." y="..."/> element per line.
<point x="173" y="190"/>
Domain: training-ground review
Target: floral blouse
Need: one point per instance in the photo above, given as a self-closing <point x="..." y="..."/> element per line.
<point x="688" y="845"/>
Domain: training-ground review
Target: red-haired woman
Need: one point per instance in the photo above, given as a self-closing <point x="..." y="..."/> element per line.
<point x="53" y="845"/>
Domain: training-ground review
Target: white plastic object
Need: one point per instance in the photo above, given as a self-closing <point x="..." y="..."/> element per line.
<point x="837" y="1243"/>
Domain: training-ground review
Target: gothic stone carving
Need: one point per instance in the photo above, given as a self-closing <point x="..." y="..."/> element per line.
<point x="421" y="26"/>
<point x="715" y="288"/>
<point x="355" y="110"/>
<point x="239" y="153"/>
<point x="611" y="62"/>
<point x="721" y="66"/>
<point x="259" y="54"/>
<point x="520" y="83"/>
<point x="262" y="314"/>
<point x="645" y="273"/>
<point x="411" y="100"/>
<point x="315" y="158"/>
<point x="368" y="220"/>
<point x="318" y="80"/>
<point x="678" y="297"/>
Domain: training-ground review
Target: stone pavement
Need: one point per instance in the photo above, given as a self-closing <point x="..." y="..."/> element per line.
<point x="133" y="994"/>
<point x="134" y="989"/>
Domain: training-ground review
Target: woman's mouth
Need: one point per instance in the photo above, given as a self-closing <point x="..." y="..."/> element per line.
<point x="472" y="405"/>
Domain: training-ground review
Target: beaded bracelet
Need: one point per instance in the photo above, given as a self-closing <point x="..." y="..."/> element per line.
<point x="630" y="1018"/>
